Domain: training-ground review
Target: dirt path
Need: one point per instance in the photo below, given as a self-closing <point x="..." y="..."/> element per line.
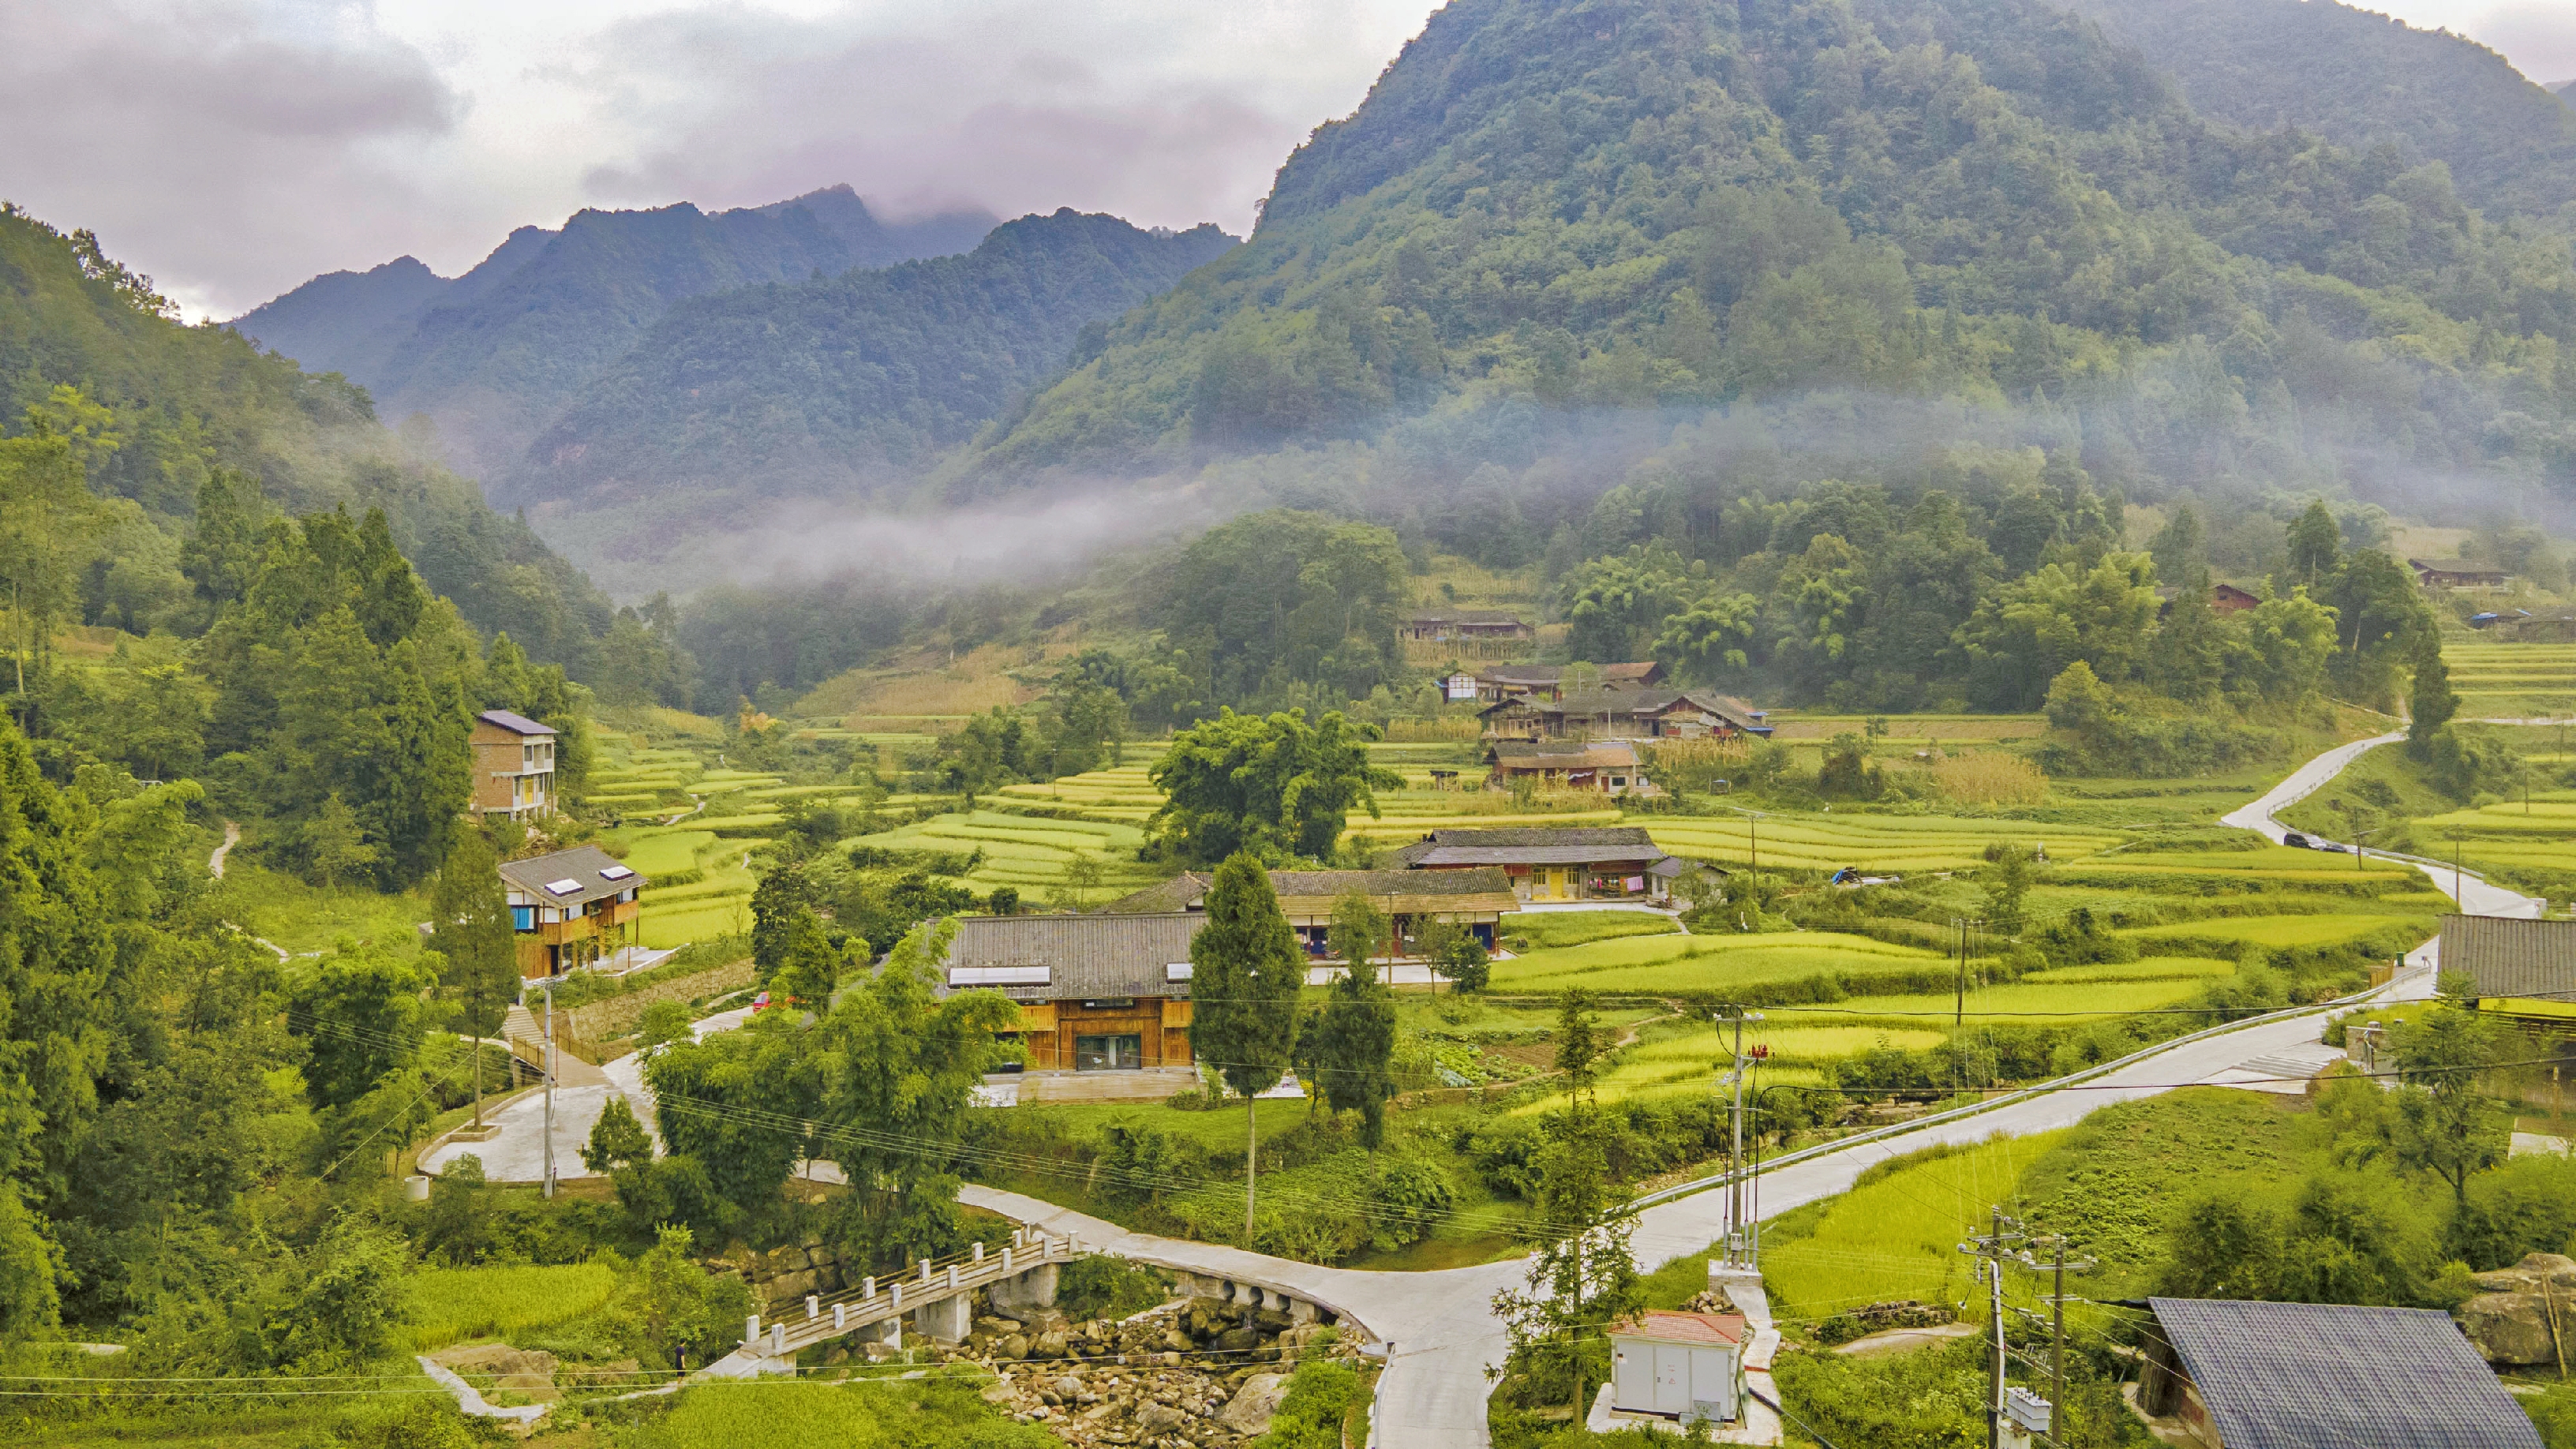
<point x="215" y="862"/>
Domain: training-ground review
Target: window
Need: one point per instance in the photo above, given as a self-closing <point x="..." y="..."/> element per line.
<point x="523" y="918"/>
<point x="1109" y="1003"/>
<point x="1108" y="1053"/>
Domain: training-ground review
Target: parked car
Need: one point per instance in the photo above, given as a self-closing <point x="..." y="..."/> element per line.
<point x="760" y="1003"/>
<point x="2294" y="839"/>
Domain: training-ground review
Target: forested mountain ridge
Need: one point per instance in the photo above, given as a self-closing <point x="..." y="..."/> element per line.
<point x="2362" y="79"/>
<point x="161" y="408"/>
<point x="855" y="381"/>
<point x="492" y="357"/>
<point x="1676" y="204"/>
<point x="352" y="323"/>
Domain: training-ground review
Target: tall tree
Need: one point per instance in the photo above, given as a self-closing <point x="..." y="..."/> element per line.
<point x="1245" y="972"/>
<point x="1277" y="787"/>
<point x="2316" y="544"/>
<point x="1355" y="1039"/>
<point x="470" y="929"/>
<point x="2431" y="701"/>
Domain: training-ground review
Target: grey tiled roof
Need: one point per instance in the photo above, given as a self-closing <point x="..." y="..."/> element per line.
<point x="1564" y="754"/>
<point x="517" y="724"/>
<point x="2310" y="1375"/>
<point x="1542" y="845"/>
<point x="1186" y="890"/>
<point x="582" y="865"/>
<point x="2511" y="956"/>
<point x="1089" y="956"/>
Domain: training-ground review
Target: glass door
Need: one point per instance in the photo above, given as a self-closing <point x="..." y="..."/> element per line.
<point x="1108" y="1053"/>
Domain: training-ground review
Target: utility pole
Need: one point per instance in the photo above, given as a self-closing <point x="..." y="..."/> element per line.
<point x="1739" y="1236"/>
<point x="1991" y="1249"/>
<point x="550" y="1089"/>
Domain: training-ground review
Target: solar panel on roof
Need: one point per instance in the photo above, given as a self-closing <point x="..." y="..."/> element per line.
<point x="615" y="872"/>
<point x="563" y="887"/>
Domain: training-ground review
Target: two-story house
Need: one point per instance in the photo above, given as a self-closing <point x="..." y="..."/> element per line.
<point x="514" y="765"/>
<point x="571" y="908"/>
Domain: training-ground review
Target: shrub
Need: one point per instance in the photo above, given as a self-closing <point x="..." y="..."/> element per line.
<point x="1103" y="1287"/>
<point x="1319" y="1396"/>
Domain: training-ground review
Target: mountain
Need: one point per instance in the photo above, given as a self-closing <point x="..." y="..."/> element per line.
<point x="2362" y="79"/>
<point x="848" y="382"/>
<point x="176" y="405"/>
<point x="1567" y="239"/>
<point x="491" y="355"/>
<point x="352" y="323"/>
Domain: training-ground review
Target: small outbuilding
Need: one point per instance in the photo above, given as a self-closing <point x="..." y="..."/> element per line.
<point x="2238" y="1375"/>
<point x="2524" y="968"/>
<point x="1679" y="1366"/>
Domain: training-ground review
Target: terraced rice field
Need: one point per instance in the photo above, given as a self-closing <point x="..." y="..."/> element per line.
<point x="1124" y="796"/>
<point x="2021" y="1003"/>
<point x="2513" y="681"/>
<point x="1658" y="964"/>
<point x="1884" y="844"/>
<point x="1029" y="853"/>
<point x="2322" y="929"/>
<point x="2149" y="968"/>
<point x="1897" y="1237"/>
<point x="1912" y="730"/>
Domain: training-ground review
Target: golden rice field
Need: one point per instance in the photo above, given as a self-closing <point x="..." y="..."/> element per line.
<point x="1654" y="964"/>
<point x="2513" y="681"/>
<point x="2322" y="929"/>
<point x="1876" y="843"/>
<point x="1029" y="853"/>
<point x="2149" y="968"/>
<point x="2051" y="1003"/>
<point x="452" y="1305"/>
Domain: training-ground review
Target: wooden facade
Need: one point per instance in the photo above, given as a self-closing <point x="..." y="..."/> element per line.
<point x="571" y="909"/>
<point x="1095" y="1035"/>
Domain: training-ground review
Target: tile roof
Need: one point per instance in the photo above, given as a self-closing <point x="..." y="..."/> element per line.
<point x="1639" y="672"/>
<point x="1529" y="845"/>
<point x="1668" y="1325"/>
<point x="2510" y="956"/>
<point x="1564" y="754"/>
<point x="1467" y="616"/>
<point x="1185" y="891"/>
<point x="517" y="724"/>
<point x="2304" y="1375"/>
<point x="1089" y="955"/>
<point x="584" y="865"/>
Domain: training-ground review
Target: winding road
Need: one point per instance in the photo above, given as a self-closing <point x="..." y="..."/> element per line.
<point x="1439" y="1328"/>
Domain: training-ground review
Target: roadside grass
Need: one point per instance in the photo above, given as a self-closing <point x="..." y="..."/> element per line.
<point x="263" y="1426"/>
<point x="1546" y="930"/>
<point x="1897" y="1234"/>
<point x="307" y="918"/>
<point x="452" y="1305"/>
<point x="1667" y="964"/>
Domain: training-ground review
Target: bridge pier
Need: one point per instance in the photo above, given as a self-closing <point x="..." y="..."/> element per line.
<point x="945" y="1320"/>
<point x="1022" y="1291"/>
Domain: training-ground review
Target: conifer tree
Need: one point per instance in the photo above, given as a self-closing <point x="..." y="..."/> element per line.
<point x="2432" y="701"/>
<point x="470" y="929"/>
<point x="1355" y="1040"/>
<point x="1245" y="971"/>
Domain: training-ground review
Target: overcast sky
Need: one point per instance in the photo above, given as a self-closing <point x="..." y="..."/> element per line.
<point x="233" y="148"/>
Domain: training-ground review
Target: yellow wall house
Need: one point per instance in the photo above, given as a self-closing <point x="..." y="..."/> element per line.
<point x="2524" y="968"/>
<point x="1475" y="899"/>
<point x="1096" y="993"/>
<point x="571" y="908"/>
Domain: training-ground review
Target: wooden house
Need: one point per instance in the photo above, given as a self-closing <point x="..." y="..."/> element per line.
<point x="1096" y="993"/>
<point x="1476" y="899"/>
<point x="1469" y="626"/>
<point x="2460" y="574"/>
<point x="1626" y="714"/>
<point x="1548" y="681"/>
<point x="571" y="908"/>
<point x="514" y="765"/>
<point x="1609" y="766"/>
<point x="1554" y="863"/>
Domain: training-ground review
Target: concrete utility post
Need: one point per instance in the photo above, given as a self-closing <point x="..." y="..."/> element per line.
<point x="1990" y="1249"/>
<point x="550" y="1089"/>
<point x="1742" y="1235"/>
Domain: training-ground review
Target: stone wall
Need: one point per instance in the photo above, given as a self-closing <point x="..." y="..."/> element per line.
<point x="617" y="1015"/>
<point x="782" y="1277"/>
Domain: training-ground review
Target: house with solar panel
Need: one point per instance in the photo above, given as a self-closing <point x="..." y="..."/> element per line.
<point x="514" y="765"/>
<point x="2223" y="1374"/>
<point x="1555" y="864"/>
<point x="571" y="909"/>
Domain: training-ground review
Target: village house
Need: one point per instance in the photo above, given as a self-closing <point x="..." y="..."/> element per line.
<point x="2456" y="574"/>
<point x="1470" y="626"/>
<point x="2228" y="1375"/>
<point x="1096" y="993"/>
<point x="2524" y="969"/>
<point x="1554" y="863"/>
<point x="571" y="909"/>
<point x="1609" y="766"/>
<point x="1626" y="714"/>
<point x="1548" y="681"/>
<point x="514" y="765"/>
<point x="1476" y="899"/>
